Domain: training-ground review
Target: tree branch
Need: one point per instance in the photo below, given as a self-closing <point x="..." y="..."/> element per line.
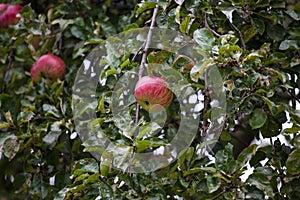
<point x="145" y="53"/>
<point x="207" y="101"/>
<point x="240" y="35"/>
<point x="206" y="25"/>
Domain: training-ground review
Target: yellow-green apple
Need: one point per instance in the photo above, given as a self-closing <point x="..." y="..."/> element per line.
<point x="49" y="66"/>
<point x="9" y="14"/>
<point x="152" y="90"/>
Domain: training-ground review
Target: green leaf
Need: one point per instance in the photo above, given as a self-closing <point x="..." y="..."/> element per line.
<point x="11" y="147"/>
<point x="289" y="44"/>
<point x="199" y="69"/>
<point x="271" y="128"/>
<point x="246" y="155"/>
<point x="179" y="2"/>
<point x="51" y="138"/>
<point x="224" y="159"/>
<point x="260" y="179"/>
<point x="258" y="118"/>
<point x="276" y="32"/>
<point x="77" y="32"/>
<point x="249" y="32"/>
<point x="295" y="14"/>
<point x="189" y="153"/>
<point x="105" y="167"/>
<point x="197" y="170"/>
<point x="293" y="162"/>
<point x="63" y="23"/>
<point x="276" y="57"/>
<point x="62" y="194"/>
<point x="158" y="57"/>
<point x="183" y="27"/>
<point x="51" y="110"/>
<point x="213" y="183"/>
<point x="204" y="38"/>
<point x="259" y="25"/>
<point x="183" y="182"/>
<point x="142" y="7"/>
<point x="291" y="130"/>
<point x="86" y="165"/>
<point x="24" y="117"/>
<point x="275" y="109"/>
<point x="4" y="125"/>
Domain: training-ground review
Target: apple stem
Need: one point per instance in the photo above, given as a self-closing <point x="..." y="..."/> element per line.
<point x="145" y="48"/>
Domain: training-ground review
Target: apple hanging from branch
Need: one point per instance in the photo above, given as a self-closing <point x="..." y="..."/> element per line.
<point x="152" y="90"/>
<point x="49" y="66"/>
<point x="9" y="14"/>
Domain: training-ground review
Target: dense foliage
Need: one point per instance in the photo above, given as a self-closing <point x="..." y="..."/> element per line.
<point x="255" y="46"/>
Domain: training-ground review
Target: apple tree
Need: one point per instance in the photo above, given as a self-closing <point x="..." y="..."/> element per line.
<point x="253" y="46"/>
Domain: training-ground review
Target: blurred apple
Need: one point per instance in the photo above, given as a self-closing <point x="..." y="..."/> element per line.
<point x="152" y="90"/>
<point x="49" y="66"/>
<point x="9" y="14"/>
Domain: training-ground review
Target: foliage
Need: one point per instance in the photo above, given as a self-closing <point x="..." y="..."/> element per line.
<point x="254" y="44"/>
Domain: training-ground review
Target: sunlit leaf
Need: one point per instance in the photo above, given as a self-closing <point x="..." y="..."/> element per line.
<point x="204" y="38"/>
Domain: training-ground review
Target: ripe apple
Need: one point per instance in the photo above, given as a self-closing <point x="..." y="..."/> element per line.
<point x="152" y="90"/>
<point x="49" y="66"/>
<point x="9" y="14"/>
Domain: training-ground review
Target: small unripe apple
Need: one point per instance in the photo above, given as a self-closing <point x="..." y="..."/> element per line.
<point x="9" y="14"/>
<point x="49" y="66"/>
<point x="152" y="90"/>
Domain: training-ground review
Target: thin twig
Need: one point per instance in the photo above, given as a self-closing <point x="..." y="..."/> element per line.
<point x="138" y="51"/>
<point x="272" y="145"/>
<point x="206" y="25"/>
<point x="145" y="53"/>
<point x="240" y="35"/>
<point x="207" y="101"/>
<point x="293" y="93"/>
<point x="148" y="42"/>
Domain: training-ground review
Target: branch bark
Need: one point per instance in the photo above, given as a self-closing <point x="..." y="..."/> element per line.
<point x="145" y="53"/>
<point x="206" y="25"/>
<point x="240" y="35"/>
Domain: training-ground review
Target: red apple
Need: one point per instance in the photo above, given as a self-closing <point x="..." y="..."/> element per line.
<point x="49" y="66"/>
<point x="9" y="14"/>
<point x="152" y="90"/>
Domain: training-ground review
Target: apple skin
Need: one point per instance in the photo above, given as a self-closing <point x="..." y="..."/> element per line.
<point x="8" y="15"/>
<point x="49" y="66"/>
<point x="152" y="90"/>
